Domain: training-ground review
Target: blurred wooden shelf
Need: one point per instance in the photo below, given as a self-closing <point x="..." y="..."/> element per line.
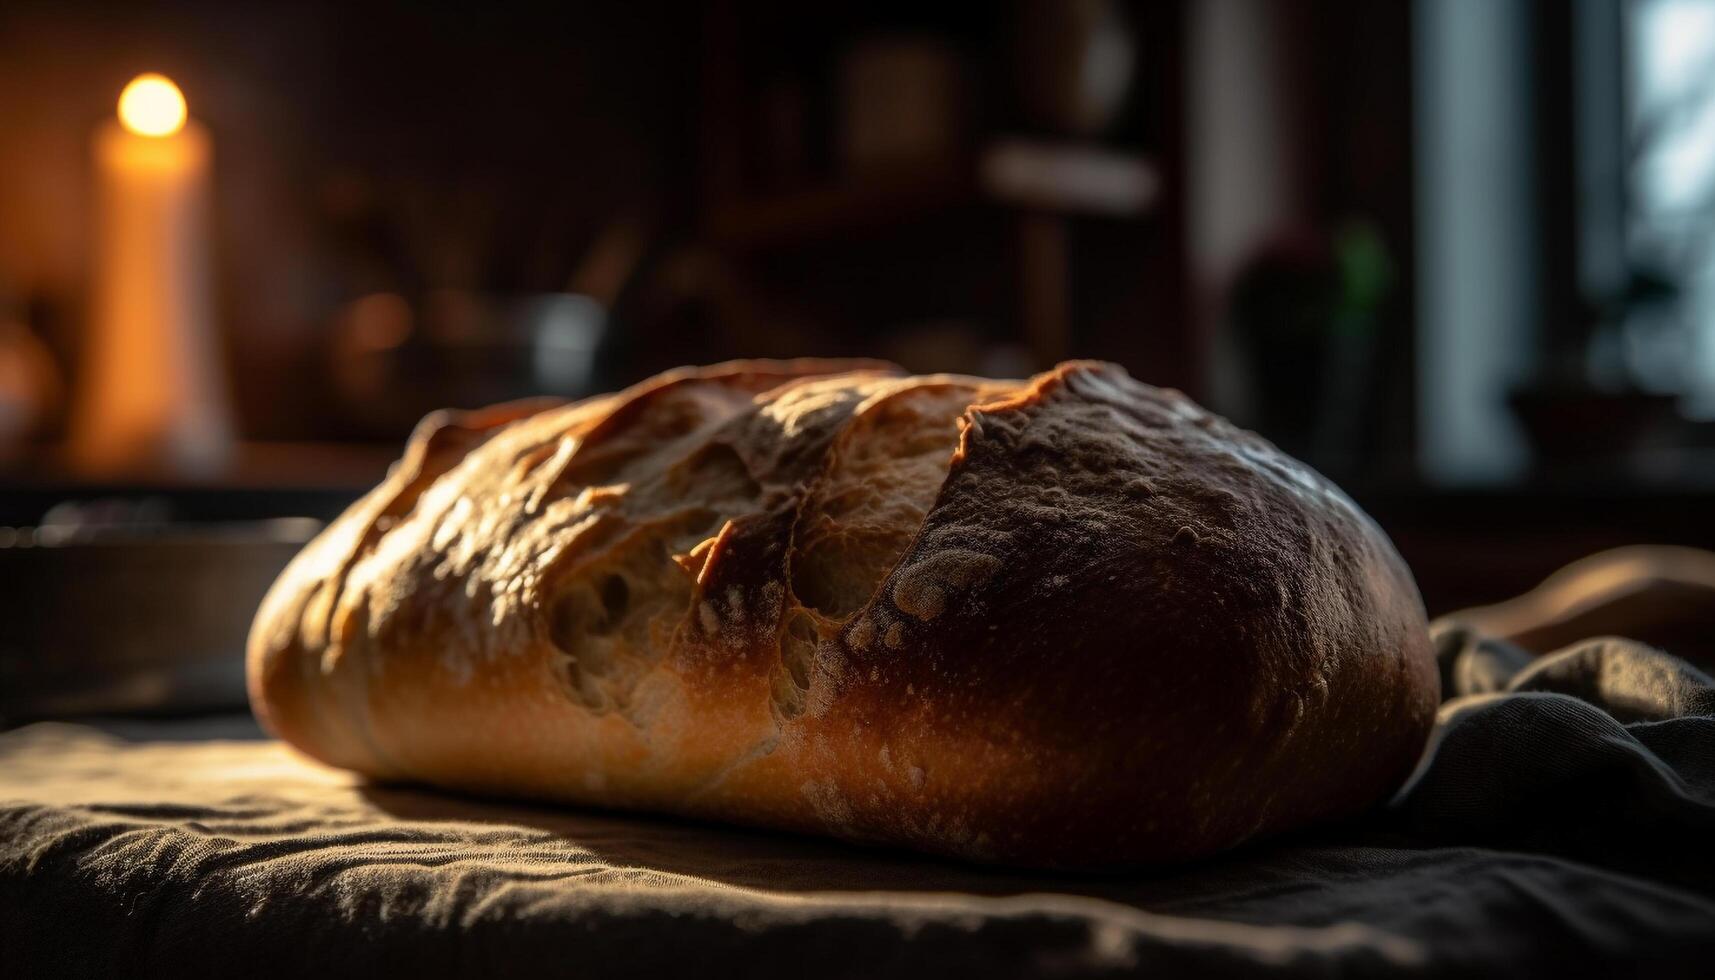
<point x="332" y="466"/>
<point x="262" y="480"/>
<point x="1058" y="178"/>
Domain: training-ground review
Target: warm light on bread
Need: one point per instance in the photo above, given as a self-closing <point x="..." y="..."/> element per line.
<point x="1074" y="621"/>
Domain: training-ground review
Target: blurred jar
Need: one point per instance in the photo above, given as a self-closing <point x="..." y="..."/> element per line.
<point x="1075" y="63"/>
<point x="394" y="361"/>
<point x="903" y="103"/>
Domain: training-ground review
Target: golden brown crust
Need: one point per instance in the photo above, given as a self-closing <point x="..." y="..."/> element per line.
<point x="1076" y="621"/>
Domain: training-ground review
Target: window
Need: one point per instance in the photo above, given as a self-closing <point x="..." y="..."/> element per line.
<point x="1669" y="344"/>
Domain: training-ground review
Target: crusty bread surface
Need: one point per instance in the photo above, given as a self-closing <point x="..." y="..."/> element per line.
<point x="1074" y="621"/>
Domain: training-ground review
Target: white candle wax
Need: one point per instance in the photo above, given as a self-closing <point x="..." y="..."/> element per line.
<point x="150" y="394"/>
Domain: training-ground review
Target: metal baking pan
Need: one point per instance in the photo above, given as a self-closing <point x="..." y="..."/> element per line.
<point x="134" y="617"/>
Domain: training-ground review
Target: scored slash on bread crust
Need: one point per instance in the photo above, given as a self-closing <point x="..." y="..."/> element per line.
<point x="1076" y="621"/>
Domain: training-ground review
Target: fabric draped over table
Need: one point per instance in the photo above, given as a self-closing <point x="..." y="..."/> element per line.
<point x="1560" y="821"/>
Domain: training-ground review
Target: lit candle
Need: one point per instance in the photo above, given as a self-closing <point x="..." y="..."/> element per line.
<point x="151" y="394"/>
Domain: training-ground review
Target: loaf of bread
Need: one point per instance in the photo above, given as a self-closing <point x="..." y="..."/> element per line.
<point x="1074" y="621"/>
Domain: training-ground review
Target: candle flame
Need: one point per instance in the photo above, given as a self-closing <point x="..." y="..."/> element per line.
<point x="152" y="106"/>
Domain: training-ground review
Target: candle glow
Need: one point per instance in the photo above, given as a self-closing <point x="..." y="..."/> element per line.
<point x="152" y="106"/>
<point x="151" y="394"/>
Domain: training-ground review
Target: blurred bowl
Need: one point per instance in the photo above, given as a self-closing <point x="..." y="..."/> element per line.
<point x="136" y="618"/>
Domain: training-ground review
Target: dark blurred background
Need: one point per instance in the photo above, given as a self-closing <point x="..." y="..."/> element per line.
<point x="1455" y="253"/>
